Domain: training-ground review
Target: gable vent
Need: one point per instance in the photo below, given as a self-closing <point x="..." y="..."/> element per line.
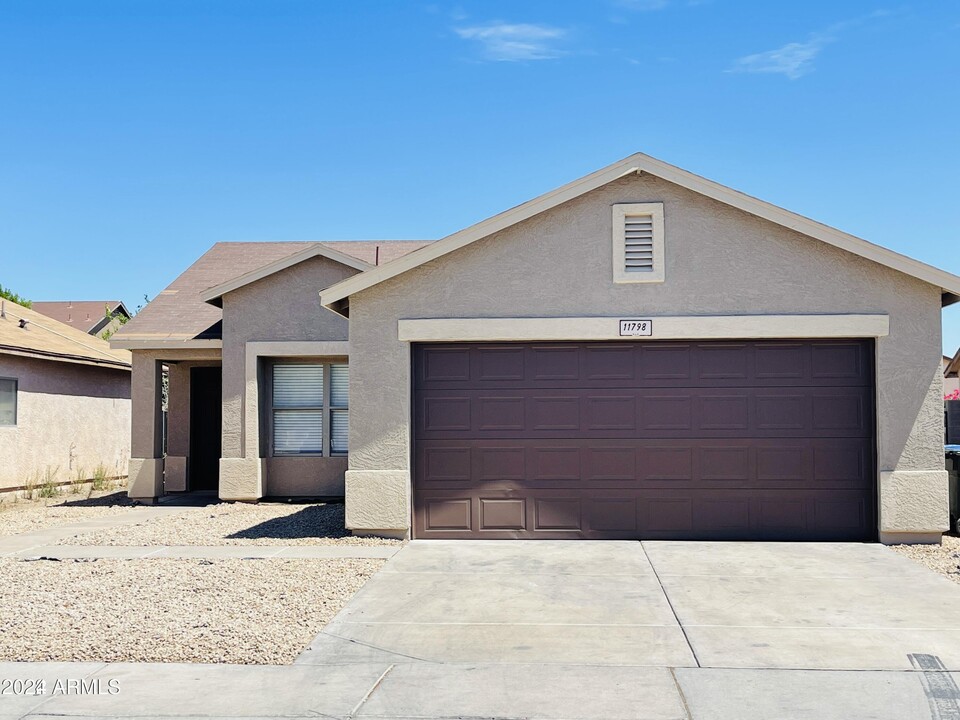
<point x="638" y="243"/>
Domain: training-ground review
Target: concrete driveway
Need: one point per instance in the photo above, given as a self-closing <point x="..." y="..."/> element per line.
<point x="652" y="630"/>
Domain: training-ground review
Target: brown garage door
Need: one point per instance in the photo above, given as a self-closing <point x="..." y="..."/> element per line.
<point x="693" y="440"/>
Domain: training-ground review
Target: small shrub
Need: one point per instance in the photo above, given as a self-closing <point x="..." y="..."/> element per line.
<point x="77" y="483"/>
<point x="50" y="488"/>
<point x="30" y="485"/>
<point x="101" y="479"/>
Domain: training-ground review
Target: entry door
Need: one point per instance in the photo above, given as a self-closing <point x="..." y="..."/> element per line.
<point x="653" y="440"/>
<point x="205" y="427"/>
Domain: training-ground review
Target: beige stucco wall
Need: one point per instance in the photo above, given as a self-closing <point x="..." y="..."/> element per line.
<point x="281" y="308"/>
<point x="176" y="464"/>
<point x="70" y="419"/>
<point x="304" y="477"/>
<point x="147" y="465"/>
<point x="719" y="261"/>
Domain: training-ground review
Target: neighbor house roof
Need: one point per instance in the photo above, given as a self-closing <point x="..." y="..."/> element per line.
<point x="952" y="368"/>
<point x="26" y="332"/>
<point x="184" y="314"/>
<point x="336" y="296"/>
<point x="86" y="315"/>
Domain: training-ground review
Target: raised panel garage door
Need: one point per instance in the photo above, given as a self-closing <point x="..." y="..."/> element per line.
<point x="693" y="440"/>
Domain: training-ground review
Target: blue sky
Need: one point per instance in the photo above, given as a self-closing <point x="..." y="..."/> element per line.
<point x="134" y="134"/>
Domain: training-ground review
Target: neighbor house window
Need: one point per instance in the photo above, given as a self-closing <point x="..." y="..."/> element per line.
<point x="638" y="243"/>
<point x="8" y="401"/>
<point x="310" y="408"/>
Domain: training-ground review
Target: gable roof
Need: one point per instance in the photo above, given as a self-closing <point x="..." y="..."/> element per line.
<point x="337" y="296"/>
<point x="214" y="294"/>
<point x="86" y="315"/>
<point x="952" y="368"/>
<point x="45" y="338"/>
<point x="180" y="317"/>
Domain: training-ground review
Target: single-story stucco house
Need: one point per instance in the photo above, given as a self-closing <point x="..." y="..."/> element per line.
<point x="641" y="353"/>
<point x="64" y="402"/>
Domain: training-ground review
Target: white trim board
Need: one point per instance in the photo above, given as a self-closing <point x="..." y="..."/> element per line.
<point x="333" y="296"/>
<point x="689" y="327"/>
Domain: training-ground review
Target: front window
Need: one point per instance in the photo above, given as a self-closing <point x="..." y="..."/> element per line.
<point x="310" y="402"/>
<point x="8" y="401"/>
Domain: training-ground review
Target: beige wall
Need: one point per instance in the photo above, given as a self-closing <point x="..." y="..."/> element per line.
<point x="304" y="477"/>
<point x="176" y="465"/>
<point x="147" y="465"/>
<point x="719" y="261"/>
<point x="70" y="419"/>
<point x="281" y="308"/>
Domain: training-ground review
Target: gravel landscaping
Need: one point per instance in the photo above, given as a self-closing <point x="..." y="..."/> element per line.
<point x="156" y="610"/>
<point x="944" y="558"/>
<point x="22" y="516"/>
<point x="237" y="524"/>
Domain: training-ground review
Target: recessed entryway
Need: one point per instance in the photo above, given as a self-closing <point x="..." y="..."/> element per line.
<point x="205" y="425"/>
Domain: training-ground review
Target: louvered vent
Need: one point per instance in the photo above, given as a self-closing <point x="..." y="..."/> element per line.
<point x="638" y="243"/>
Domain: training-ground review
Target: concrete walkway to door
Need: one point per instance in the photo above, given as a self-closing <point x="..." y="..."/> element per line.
<point x="654" y="629"/>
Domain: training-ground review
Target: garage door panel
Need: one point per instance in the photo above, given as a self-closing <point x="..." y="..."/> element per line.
<point x="503" y="513"/>
<point x="722" y="361"/>
<point x="773" y="463"/>
<point x="616" y="514"/>
<point x="551" y="363"/>
<point x="822" y="363"/>
<point x="628" y="413"/>
<point x="497" y="462"/>
<point x="721" y="440"/>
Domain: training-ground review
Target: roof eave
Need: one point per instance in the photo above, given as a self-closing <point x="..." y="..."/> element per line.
<point x="166" y="343"/>
<point x="949" y="283"/>
<point x="214" y="295"/>
<point x="64" y="357"/>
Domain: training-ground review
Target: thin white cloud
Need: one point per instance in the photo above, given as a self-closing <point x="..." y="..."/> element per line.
<point x="793" y="59"/>
<point x="513" y="42"/>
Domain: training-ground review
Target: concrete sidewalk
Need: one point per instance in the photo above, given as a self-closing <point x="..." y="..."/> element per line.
<point x="408" y="689"/>
<point x="567" y="631"/>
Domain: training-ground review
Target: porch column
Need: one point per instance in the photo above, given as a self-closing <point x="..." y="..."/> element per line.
<point x="146" y="440"/>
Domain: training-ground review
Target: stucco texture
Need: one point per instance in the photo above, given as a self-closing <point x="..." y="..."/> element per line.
<point x="284" y="307"/>
<point x="719" y="261"/>
<point x="70" y="419"/>
<point x="147" y="476"/>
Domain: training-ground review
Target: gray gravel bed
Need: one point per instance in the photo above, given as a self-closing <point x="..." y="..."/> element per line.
<point x="25" y="516"/>
<point x="944" y="558"/>
<point x="237" y="524"/>
<point x="155" y="610"/>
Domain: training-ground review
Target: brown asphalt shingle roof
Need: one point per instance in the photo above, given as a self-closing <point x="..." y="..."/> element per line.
<point x="45" y="337"/>
<point x="84" y="315"/>
<point x="178" y="313"/>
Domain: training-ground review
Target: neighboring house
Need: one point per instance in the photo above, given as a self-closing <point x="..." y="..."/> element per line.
<point x="642" y="353"/>
<point x="951" y="371"/>
<point x="94" y="317"/>
<point x="64" y="402"/>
